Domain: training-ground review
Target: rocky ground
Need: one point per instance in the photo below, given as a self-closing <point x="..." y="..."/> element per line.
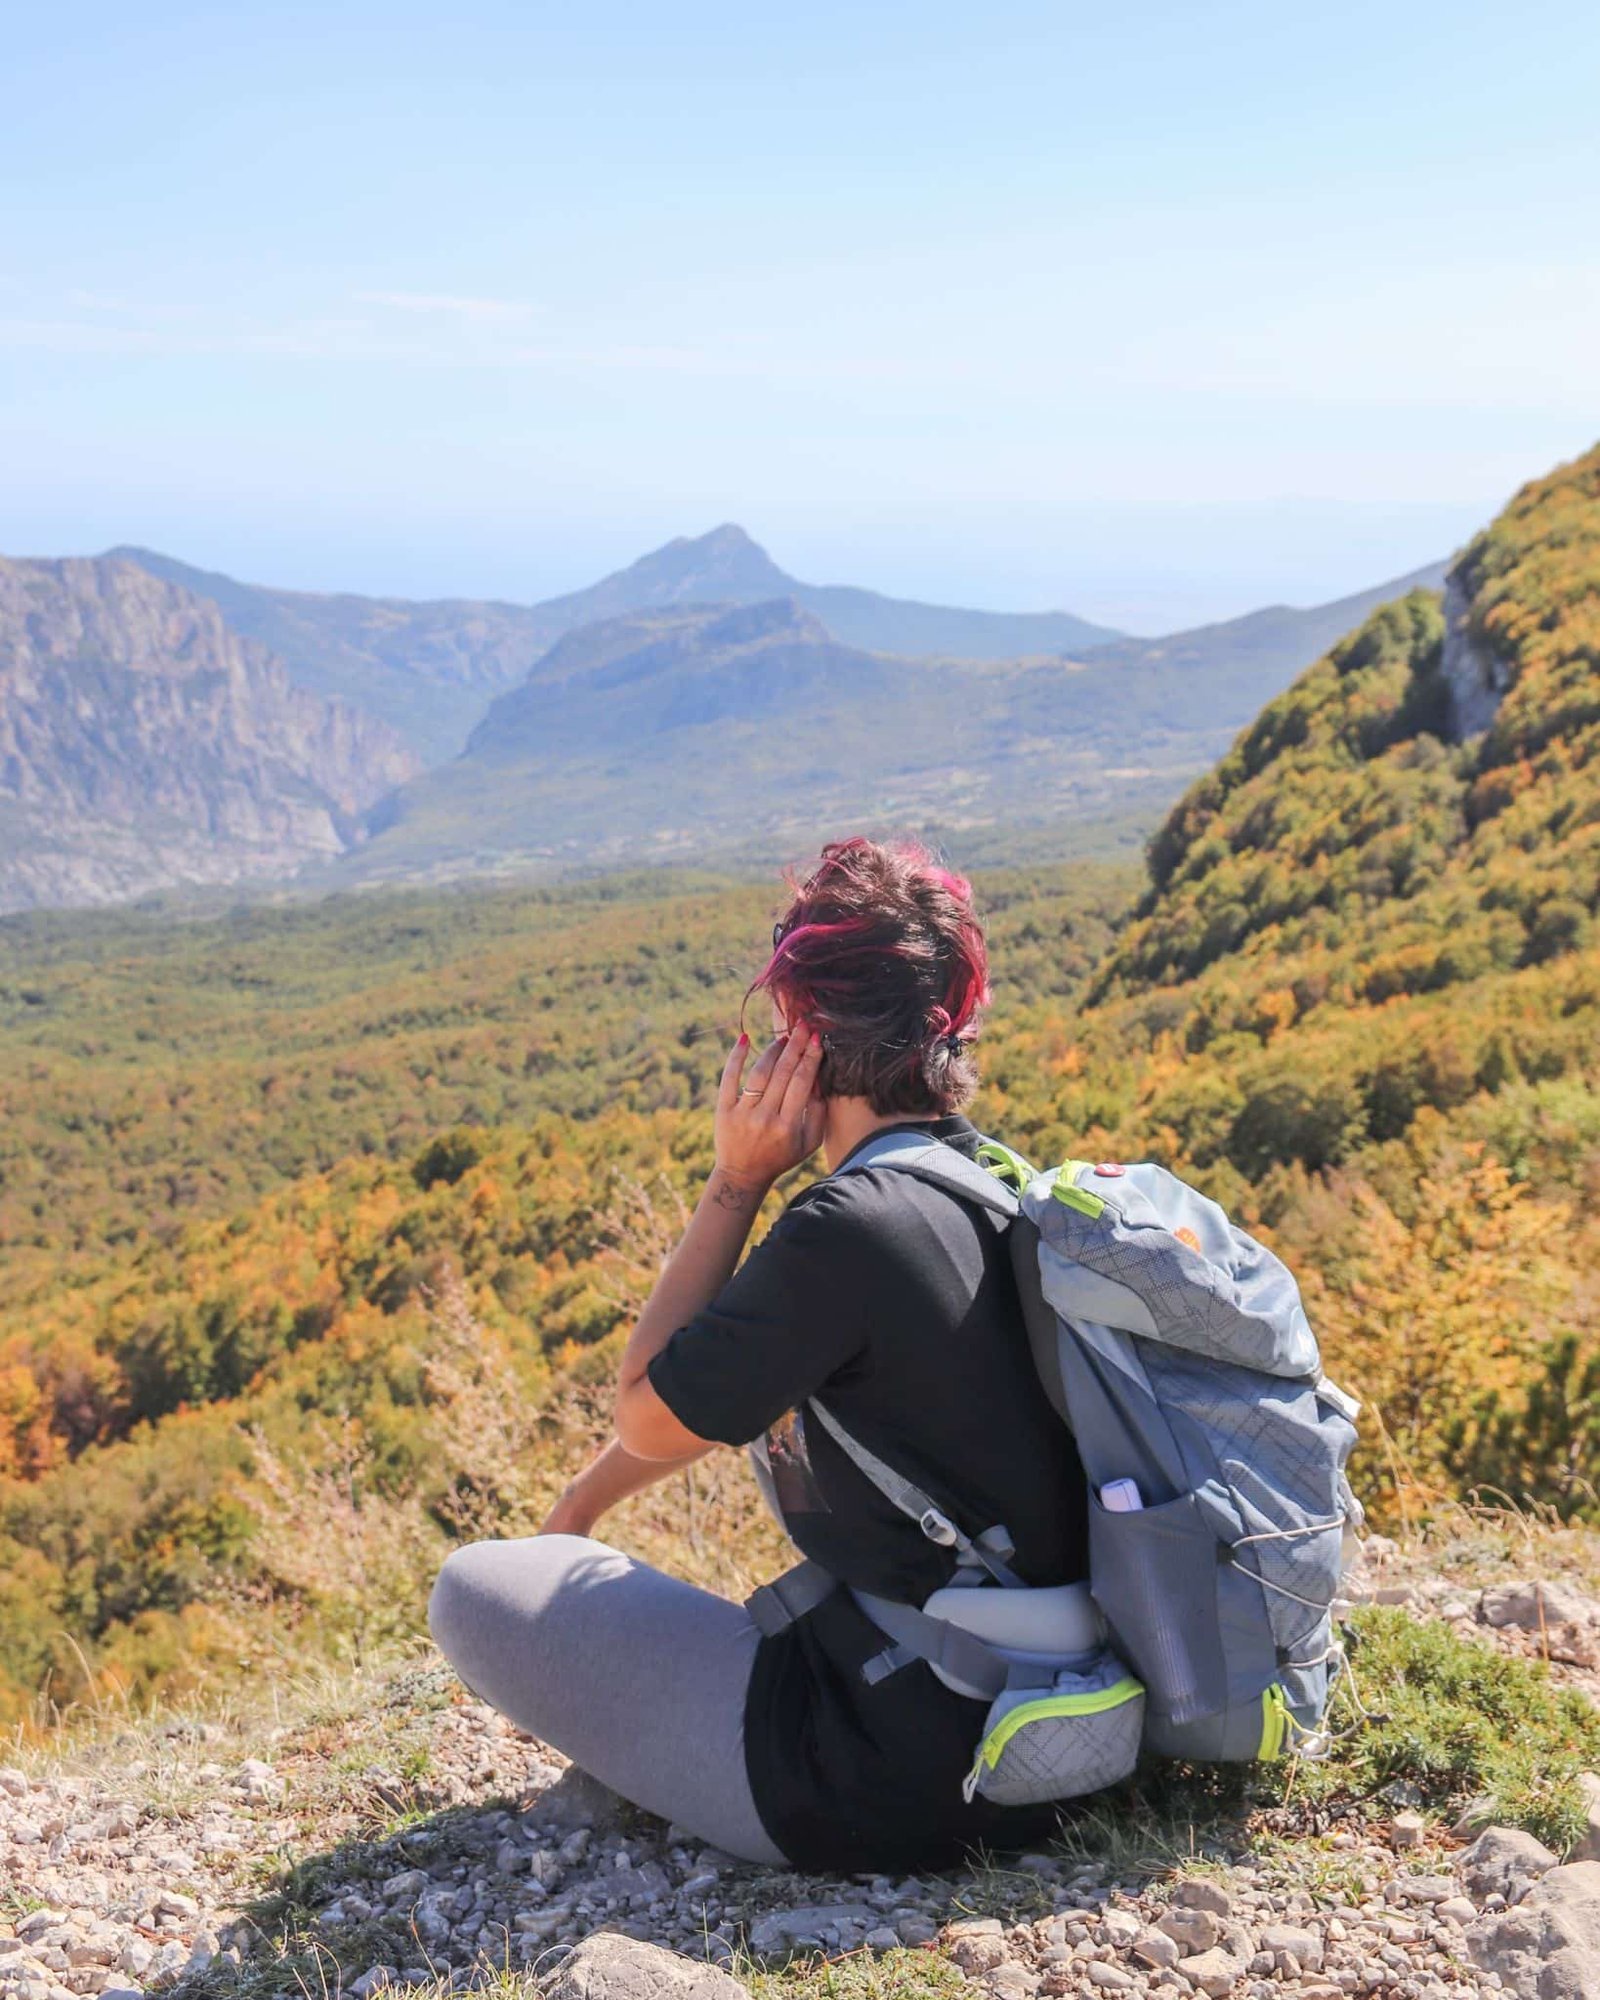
<point x="395" y="1834"/>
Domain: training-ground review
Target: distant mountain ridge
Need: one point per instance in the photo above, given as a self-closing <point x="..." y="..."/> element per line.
<point x="674" y="733"/>
<point x="1267" y="638"/>
<point x="692" y="732"/>
<point x="429" y="669"/>
<point x="144" y="745"/>
<point x="669" y="711"/>
<point x="727" y="567"/>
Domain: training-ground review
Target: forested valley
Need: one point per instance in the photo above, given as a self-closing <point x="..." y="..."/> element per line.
<point x="320" y="1222"/>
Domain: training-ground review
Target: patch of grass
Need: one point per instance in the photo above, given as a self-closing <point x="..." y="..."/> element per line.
<point x="15" y="1905"/>
<point x="1492" y="1539"/>
<point x="1330" y="1874"/>
<point x="304" y="1886"/>
<point x="994" y="1888"/>
<point x="300" y="1964"/>
<point x="1458" y="1721"/>
<point x="1168" y="1819"/>
<point x="907" y="1974"/>
<point x="1449" y="1721"/>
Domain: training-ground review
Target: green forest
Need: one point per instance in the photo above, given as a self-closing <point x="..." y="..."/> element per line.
<point x="320" y="1221"/>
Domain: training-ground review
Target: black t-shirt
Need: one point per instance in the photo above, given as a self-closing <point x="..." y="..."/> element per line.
<point x="894" y="1302"/>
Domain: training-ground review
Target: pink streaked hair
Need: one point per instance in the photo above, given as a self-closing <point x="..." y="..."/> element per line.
<point x="880" y="950"/>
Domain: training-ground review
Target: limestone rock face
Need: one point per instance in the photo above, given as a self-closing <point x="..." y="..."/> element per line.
<point x="1504" y="1861"/>
<point x="144" y="745"/>
<point x="1587" y="1847"/>
<point x="1548" y="1946"/>
<point x="1475" y="678"/>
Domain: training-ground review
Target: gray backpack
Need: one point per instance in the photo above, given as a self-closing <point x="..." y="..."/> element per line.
<point x="1175" y="1348"/>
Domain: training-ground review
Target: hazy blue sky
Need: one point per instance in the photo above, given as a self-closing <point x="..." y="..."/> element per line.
<point x="1151" y="311"/>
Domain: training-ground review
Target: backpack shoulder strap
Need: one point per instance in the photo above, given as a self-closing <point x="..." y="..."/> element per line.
<point x="931" y="1160"/>
<point x="991" y="1550"/>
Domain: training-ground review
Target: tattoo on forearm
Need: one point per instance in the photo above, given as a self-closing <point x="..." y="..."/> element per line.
<point x="729" y="1194"/>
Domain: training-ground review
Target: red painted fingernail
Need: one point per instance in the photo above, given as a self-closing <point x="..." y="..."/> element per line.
<point x="744" y="1040"/>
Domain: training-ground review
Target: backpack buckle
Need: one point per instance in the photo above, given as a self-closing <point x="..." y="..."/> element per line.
<point x="939" y="1528"/>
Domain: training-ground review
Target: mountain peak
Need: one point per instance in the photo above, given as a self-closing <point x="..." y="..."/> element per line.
<point x="724" y="566"/>
<point x="726" y="539"/>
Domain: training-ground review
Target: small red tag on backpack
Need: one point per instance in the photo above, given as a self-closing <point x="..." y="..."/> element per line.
<point x="1109" y="1170"/>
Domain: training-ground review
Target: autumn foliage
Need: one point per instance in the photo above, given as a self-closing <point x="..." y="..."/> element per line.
<point x="321" y="1222"/>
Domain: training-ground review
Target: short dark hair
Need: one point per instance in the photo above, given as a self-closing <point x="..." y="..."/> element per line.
<point x="881" y="952"/>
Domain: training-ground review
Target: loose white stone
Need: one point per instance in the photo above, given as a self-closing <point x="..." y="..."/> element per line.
<point x="1406" y="1830"/>
<point x="1191" y="1930"/>
<point x="610" y="1967"/>
<point x="1503" y="1861"/>
<point x="1424" y="1888"/>
<point x="1155" y="1948"/>
<point x="1011" y="1981"/>
<point x="1214" y="1972"/>
<point x="1304" y="1946"/>
<point x="411" y="1882"/>
<point x="1536" y="1606"/>
<point x="1199" y="1892"/>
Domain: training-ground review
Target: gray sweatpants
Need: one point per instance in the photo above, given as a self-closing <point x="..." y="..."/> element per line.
<point x="635" y="1676"/>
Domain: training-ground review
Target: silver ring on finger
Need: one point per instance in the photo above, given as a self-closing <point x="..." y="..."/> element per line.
<point x="753" y="1095"/>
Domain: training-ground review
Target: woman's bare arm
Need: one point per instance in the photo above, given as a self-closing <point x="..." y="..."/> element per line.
<point x="613" y="1476"/>
<point x="765" y="1125"/>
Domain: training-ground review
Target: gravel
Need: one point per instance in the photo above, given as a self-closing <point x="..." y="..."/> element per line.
<point x="419" y="1839"/>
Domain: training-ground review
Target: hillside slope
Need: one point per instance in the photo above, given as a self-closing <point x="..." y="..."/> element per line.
<point x="1361" y="999"/>
<point x="1435" y="780"/>
<point x="144" y="745"/>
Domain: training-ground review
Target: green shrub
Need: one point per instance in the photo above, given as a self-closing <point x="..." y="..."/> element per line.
<point x="1460" y="1722"/>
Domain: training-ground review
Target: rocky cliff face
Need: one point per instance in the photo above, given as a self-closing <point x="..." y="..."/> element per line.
<point x="1475" y="679"/>
<point x="143" y="745"/>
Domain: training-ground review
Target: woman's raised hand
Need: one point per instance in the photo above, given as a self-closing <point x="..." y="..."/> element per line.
<point x="770" y="1120"/>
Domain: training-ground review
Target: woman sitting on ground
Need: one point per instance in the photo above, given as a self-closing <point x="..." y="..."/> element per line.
<point x="891" y="1300"/>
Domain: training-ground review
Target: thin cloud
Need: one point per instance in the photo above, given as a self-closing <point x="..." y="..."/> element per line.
<point x="448" y="304"/>
<point x="441" y="331"/>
